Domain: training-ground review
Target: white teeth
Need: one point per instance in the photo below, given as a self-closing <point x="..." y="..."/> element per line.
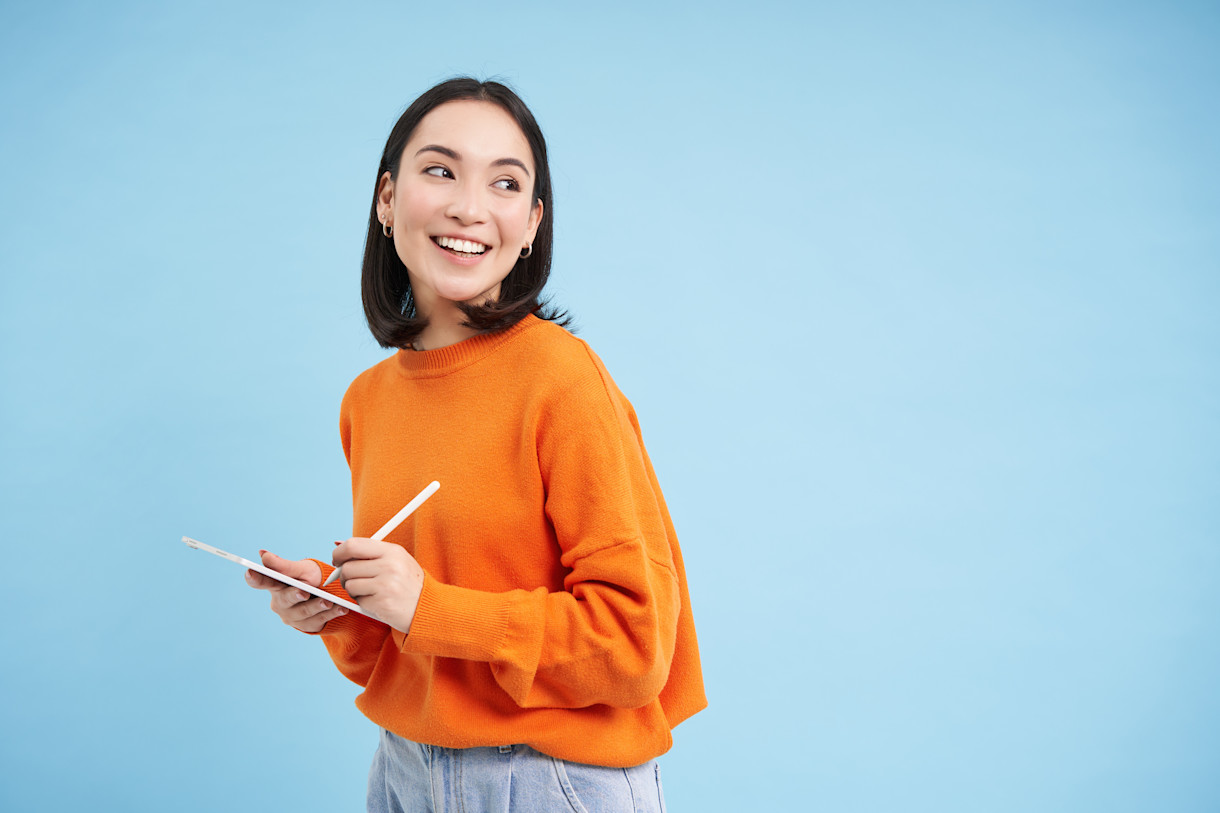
<point x="464" y="246"/>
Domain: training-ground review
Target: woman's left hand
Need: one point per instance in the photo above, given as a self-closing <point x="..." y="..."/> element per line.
<point x="382" y="577"/>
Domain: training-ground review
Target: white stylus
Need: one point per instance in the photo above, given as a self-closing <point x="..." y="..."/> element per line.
<point x="397" y="519"/>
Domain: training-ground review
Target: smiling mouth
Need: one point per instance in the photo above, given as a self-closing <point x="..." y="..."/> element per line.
<point x="462" y="248"/>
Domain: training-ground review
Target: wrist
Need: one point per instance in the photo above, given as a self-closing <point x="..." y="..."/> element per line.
<point x="404" y="615"/>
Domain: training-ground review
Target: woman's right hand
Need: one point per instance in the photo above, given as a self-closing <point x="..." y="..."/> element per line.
<point x="294" y="606"/>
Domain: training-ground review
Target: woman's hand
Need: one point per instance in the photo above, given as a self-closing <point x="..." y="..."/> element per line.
<point x="383" y="578"/>
<point x="294" y="606"/>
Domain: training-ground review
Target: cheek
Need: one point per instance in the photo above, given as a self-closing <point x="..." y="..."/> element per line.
<point x="414" y="213"/>
<point x="514" y="222"/>
<point x="416" y="206"/>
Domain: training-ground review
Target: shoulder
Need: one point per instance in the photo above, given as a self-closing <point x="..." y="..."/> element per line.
<point x="368" y="381"/>
<point x="565" y="361"/>
<point x="572" y="378"/>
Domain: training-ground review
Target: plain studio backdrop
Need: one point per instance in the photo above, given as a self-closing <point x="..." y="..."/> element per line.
<point x="918" y="305"/>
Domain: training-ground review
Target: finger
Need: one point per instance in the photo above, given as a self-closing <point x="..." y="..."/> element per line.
<point x="359" y="588"/>
<point x="358" y="548"/>
<point x="286" y="598"/>
<point x="328" y="615"/>
<point x="260" y="582"/>
<point x="304" y="570"/>
<point x="318" y="622"/>
<point x="314" y="621"/>
<point x="360" y="569"/>
<point x="305" y="610"/>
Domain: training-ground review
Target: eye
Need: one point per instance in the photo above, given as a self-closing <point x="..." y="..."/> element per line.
<point x="438" y="171"/>
<point x="508" y="185"/>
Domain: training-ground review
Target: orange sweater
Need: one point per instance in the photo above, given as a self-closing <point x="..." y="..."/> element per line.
<point x="554" y="609"/>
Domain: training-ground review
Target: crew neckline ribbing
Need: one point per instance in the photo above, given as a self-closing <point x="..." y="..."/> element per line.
<point x="445" y="360"/>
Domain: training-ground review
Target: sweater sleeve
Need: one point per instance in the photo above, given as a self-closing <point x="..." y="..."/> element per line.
<point x="607" y="637"/>
<point x="354" y="641"/>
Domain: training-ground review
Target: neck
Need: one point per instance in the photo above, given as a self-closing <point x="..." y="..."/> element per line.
<point x="445" y="320"/>
<point x="444" y="328"/>
<point x="434" y="338"/>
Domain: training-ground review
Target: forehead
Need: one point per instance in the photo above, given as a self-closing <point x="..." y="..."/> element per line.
<point x="480" y="132"/>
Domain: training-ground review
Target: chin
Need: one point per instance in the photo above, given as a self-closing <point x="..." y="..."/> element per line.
<point x="462" y="296"/>
<point x="469" y="293"/>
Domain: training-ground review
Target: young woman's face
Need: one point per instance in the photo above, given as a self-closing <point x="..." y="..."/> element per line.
<point x="462" y="207"/>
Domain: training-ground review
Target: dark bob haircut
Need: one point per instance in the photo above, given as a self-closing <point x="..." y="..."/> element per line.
<point x="384" y="284"/>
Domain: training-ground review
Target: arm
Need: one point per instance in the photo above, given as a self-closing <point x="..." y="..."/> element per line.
<point x="353" y="640"/>
<point x="600" y="643"/>
<point x="608" y="636"/>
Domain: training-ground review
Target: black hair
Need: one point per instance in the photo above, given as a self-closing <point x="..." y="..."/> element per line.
<point x="384" y="285"/>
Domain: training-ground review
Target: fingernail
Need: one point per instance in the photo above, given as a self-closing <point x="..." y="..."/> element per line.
<point x="326" y="605"/>
<point x="338" y="542"/>
<point x="342" y="611"/>
<point x="302" y="595"/>
<point x="262" y="552"/>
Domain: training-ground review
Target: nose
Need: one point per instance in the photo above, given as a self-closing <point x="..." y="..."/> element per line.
<point x="467" y="205"/>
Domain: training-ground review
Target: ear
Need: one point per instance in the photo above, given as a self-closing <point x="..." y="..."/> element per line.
<point x="531" y="227"/>
<point x="385" y="195"/>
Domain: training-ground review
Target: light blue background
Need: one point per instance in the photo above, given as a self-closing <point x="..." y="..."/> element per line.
<point x="917" y="303"/>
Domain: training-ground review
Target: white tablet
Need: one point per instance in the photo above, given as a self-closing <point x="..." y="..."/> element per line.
<point x="266" y="571"/>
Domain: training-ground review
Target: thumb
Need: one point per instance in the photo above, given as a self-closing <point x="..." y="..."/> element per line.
<point x="304" y="570"/>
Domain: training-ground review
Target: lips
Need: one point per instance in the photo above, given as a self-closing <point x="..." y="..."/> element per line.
<point x="462" y="248"/>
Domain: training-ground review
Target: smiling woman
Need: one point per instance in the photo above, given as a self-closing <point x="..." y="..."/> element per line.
<point x="471" y="154"/>
<point x="465" y="212"/>
<point x="529" y="643"/>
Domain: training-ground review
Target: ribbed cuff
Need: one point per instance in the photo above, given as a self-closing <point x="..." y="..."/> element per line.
<point x="348" y="626"/>
<point x="457" y="622"/>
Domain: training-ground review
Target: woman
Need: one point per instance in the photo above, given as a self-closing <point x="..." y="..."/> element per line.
<point x="534" y="622"/>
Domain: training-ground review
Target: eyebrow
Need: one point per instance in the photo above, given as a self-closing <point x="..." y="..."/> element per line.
<point x="456" y="156"/>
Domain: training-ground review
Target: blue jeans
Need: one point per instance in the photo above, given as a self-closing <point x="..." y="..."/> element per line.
<point x="407" y="777"/>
